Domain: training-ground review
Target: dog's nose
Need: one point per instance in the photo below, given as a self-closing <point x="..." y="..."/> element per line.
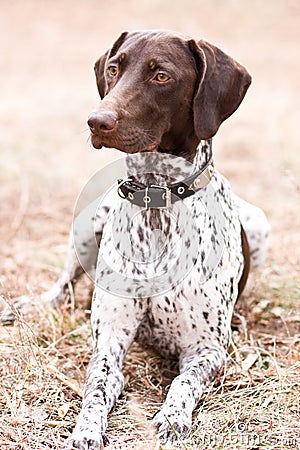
<point x="102" y="121"/>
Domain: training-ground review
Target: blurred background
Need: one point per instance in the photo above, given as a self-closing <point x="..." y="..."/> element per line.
<point x="47" y="89"/>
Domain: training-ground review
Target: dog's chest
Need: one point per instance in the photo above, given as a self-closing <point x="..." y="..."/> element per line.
<point x="153" y="250"/>
<point x="183" y="262"/>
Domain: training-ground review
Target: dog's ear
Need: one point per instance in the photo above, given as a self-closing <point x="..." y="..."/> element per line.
<point x="99" y="67"/>
<point x="222" y="85"/>
<point x="99" y="72"/>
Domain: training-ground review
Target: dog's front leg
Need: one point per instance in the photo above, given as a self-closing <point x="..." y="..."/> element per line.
<point x="114" y="325"/>
<point x="173" y="421"/>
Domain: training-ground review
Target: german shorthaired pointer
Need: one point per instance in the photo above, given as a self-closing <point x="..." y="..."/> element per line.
<point x="174" y="240"/>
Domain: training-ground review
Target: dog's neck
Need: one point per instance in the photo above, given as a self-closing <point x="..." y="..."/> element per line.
<point x="161" y="169"/>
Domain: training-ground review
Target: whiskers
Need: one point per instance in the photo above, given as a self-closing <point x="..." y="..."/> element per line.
<point x="88" y="139"/>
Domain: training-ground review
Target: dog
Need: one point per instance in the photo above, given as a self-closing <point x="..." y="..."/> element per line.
<point x="175" y="243"/>
<point x="164" y="95"/>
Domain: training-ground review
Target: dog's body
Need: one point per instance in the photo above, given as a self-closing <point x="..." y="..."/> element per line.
<point x="190" y="320"/>
<point x="163" y="93"/>
<point x="151" y="105"/>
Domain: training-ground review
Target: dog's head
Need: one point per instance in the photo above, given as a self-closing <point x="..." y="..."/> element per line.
<point x="164" y="91"/>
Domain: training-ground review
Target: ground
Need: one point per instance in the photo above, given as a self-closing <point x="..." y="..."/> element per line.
<point x="47" y="90"/>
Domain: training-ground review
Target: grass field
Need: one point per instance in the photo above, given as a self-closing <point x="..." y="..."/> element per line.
<point x="47" y="89"/>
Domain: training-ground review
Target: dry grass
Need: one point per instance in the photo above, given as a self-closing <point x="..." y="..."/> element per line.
<point x="47" y="90"/>
<point x="253" y="403"/>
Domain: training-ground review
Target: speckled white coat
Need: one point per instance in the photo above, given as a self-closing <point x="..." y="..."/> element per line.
<point x="175" y="291"/>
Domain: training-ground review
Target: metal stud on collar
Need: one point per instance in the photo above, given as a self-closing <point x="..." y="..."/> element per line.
<point x="197" y="182"/>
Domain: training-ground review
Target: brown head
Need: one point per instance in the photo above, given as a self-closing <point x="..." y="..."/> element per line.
<point x="164" y="91"/>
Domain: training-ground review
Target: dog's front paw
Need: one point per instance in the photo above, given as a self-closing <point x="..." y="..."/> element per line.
<point x="171" y="426"/>
<point x="86" y="439"/>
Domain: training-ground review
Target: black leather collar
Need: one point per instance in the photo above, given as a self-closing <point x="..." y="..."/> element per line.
<point x="154" y="196"/>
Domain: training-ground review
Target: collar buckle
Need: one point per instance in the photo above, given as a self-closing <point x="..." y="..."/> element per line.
<point x="166" y="195"/>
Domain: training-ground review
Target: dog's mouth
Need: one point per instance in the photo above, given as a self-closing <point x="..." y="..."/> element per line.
<point x="126" y="145"/>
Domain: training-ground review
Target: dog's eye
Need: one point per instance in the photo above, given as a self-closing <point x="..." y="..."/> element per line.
<point x="112" y="70"/>
<point x="162" y="77"/>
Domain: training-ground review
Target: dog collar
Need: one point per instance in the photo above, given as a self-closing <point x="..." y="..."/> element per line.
<point x="155" y="196"/>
